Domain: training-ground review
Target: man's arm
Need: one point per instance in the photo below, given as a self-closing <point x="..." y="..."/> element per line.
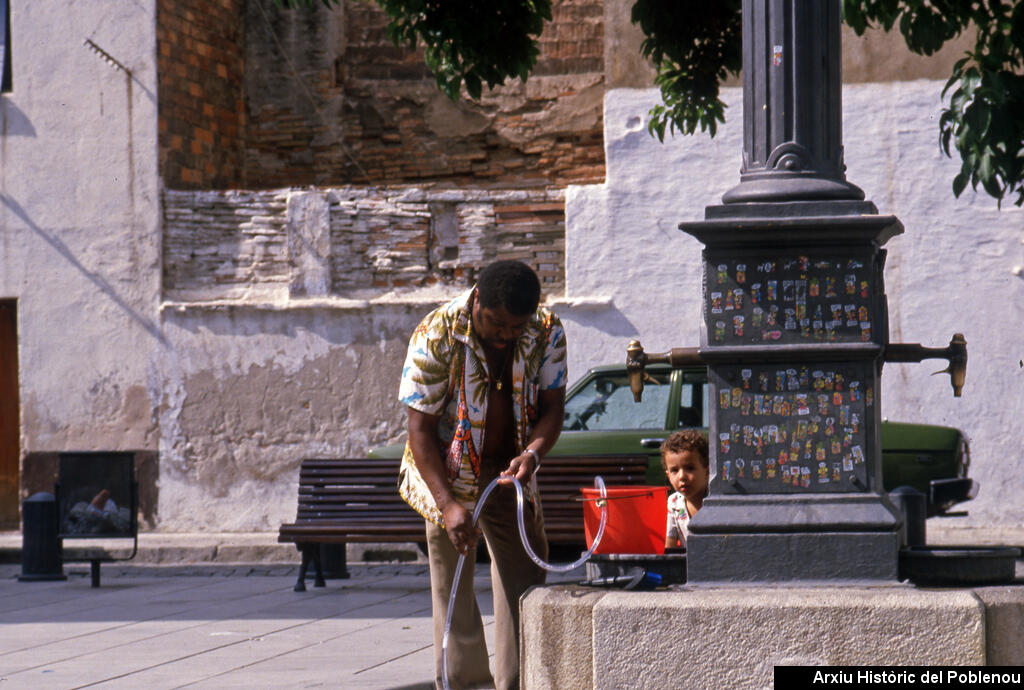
<point x="426" y="452"/>
<point x="551" y="408"/>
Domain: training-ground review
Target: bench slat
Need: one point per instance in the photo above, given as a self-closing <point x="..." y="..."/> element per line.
<point x="356" y="499"/>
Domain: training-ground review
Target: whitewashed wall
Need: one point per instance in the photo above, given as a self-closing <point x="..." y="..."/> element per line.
<point x="79" y="222"/>
<point x="630" y="273"/>
<point x="249" y="390"/>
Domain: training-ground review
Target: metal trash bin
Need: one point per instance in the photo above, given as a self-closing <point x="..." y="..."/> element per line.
<point x="40" y="543"/>
<point x="97" y="498"/>
<point x="334" y="562"/>
<point x="912" y="505"/>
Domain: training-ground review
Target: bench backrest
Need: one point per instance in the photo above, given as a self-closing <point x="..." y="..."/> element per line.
<point x="364" y="490"/>
<point x="351" y="488"/>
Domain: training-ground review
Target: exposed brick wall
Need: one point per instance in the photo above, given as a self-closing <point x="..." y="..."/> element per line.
<point x="573" y="42"/>
<point x="291" y="96"/>
<point x="253" y="96"/>
<point x="344" y="105"/>
<point x="229" y="245"/>
<point x="200" y="47"/>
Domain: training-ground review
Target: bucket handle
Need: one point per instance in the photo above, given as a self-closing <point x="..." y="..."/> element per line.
<point x="601" y="501"/>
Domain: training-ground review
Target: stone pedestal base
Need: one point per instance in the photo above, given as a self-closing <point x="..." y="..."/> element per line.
<point x="732" y="637"/>
<point x="855" y="557"/>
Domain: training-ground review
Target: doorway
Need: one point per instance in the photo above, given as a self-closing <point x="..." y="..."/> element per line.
<point x="9" y="418"/>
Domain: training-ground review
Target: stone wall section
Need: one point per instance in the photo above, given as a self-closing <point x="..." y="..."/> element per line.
<point x="266" y="245"/>
<point x="225" y="245"/>
<point x="200" y="66"/>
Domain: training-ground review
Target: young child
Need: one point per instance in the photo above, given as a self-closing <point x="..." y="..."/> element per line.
<point x="684" y="457"/>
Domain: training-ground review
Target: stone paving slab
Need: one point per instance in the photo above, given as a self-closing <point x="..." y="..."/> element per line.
<point x="222" y="626"/>
<point x="197" y="627"/>
<point x="179" y="615"/>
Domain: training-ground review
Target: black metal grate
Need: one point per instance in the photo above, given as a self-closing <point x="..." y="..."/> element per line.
<point x="97" y="495"/>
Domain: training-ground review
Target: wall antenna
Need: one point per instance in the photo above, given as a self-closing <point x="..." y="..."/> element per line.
<point x="107" y="57"/>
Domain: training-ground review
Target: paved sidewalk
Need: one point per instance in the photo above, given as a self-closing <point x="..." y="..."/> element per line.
<point x="221" y="626"/>
<point x="218" y="611"/>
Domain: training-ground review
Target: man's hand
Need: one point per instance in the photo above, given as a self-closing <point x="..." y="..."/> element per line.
<point x="426" y="451"/>
<point x="521" y="467"/>
<point x="551" y="406"/>
<point x="458" y="522"/>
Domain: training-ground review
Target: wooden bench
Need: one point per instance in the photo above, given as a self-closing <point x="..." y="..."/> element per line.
<point x="355" y="500"/>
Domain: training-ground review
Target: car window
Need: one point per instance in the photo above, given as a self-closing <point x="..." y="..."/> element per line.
<point x="693" y="404"/>
<point x="606" y="402"/>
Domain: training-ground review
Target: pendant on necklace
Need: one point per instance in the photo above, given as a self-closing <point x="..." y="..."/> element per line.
<point x="498" y="386"/>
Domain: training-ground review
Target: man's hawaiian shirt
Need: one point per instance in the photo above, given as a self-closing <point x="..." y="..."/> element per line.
<point x="445" y="374"/>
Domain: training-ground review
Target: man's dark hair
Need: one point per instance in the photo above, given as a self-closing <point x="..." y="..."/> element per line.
<point x="510" y="284"/>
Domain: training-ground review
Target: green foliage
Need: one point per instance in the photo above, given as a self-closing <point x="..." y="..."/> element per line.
<point x="471" y="42"/>
<point x="985" y="118"/>
<point x="465" y="41"/>
<point x="694" y="45"/>
<point x="985" y="121"/>
<point x="924" y="25"/>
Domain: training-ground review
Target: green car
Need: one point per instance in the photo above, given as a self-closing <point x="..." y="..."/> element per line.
<point x="601" y="418"/>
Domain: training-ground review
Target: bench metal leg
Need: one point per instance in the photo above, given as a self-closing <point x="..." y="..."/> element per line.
<point x="300" y="585"/>
<point x="318" y="579"/>
<point x="312" y="553"/>
<point x="94" y="573"/>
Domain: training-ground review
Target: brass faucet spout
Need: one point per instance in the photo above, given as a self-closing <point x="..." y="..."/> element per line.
<point x="955" y="353"/>
<point x="957" y="363"/>
<point x="637" y="360"/>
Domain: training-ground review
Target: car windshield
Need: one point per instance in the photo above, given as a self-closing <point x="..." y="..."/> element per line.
<point x="606" y="403"/>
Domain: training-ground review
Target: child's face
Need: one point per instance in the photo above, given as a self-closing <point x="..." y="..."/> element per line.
<point x="686" y="473"/>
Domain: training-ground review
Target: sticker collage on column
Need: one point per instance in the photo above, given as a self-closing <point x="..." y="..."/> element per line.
<point x="789" y="429"/>
<point x="794" y="300"/>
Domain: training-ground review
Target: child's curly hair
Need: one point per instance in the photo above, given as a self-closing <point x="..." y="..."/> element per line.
<point x="687" y="439"/>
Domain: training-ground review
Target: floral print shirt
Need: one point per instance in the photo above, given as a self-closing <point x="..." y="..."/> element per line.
<point x="678" y="519"/>
<point x="445" y="374"/>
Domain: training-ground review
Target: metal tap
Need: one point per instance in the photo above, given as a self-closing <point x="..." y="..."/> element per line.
<point x="637" y="359"/>
<point x="956" y="353"/>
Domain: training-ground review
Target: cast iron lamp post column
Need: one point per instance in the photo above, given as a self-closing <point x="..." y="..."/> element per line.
<point x="792" y="104"/>
<point x="795" y="328"/>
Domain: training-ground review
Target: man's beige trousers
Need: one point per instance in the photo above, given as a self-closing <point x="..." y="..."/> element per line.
<point x="512" y="573"/>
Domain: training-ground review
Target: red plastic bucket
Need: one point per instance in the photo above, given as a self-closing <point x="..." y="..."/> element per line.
<point x="636" y="519"/>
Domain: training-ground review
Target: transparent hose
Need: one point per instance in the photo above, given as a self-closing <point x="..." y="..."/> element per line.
<point x="520" y="508"/>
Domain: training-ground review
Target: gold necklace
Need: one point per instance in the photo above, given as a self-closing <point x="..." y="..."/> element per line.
<point x="498" y="383"/>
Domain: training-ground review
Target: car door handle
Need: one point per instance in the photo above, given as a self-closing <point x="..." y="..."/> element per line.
<point x="651" y="442"/>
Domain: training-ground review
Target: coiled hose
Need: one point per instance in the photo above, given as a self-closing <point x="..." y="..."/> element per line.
<point x="520" y="507"/>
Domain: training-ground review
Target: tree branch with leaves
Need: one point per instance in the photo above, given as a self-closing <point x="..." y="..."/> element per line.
<point x="984" y="121"/>
<point x="695" y="45"/>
